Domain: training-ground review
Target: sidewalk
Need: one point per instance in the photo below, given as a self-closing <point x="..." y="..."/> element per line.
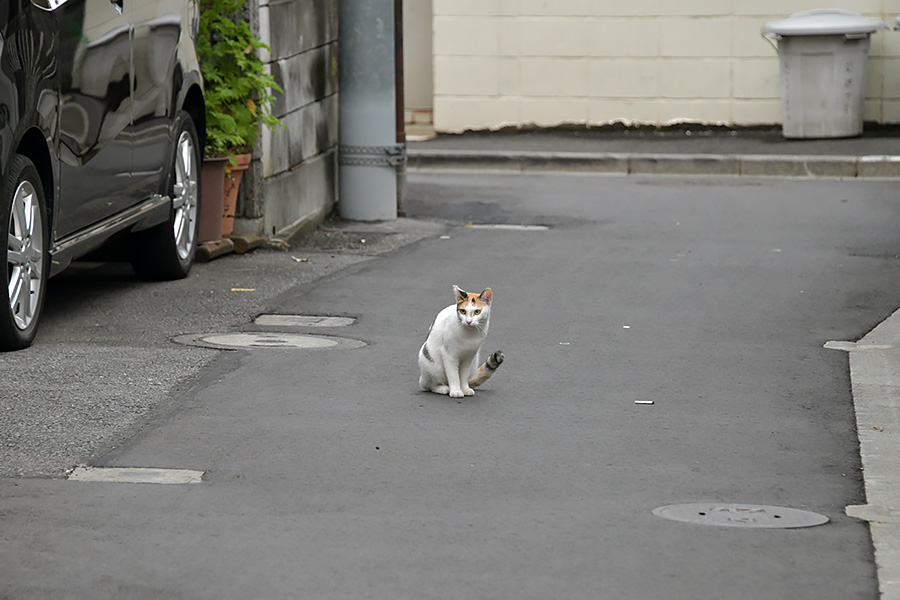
<point x="686" y="150"/>
<point x="875" y="379"/>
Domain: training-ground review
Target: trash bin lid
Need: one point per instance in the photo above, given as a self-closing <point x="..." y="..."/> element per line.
<point x="828" y="21"/>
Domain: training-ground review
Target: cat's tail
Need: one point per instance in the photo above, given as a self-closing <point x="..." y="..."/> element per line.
<point x="487" y="369"/>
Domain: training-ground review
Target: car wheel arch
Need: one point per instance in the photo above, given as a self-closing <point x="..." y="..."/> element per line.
<point x="34" y="147"/>
<point x="195" y="106"/>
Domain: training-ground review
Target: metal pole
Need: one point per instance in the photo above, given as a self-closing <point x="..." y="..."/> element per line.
<point x="369" y="152"/>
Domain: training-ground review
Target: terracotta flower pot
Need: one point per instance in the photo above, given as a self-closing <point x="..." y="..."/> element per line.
<point x="212" y="199"/>
<point x="233" y="175"/>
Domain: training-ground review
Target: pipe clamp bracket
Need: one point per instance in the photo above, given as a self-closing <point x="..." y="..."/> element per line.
<point x="372" y="156"/>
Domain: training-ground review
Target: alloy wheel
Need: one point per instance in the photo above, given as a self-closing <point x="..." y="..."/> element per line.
<point x="185" y="192"/>
<point x="25" y="251"/>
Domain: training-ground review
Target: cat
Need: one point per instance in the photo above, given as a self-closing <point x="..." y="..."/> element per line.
<point x="448" y="360"/>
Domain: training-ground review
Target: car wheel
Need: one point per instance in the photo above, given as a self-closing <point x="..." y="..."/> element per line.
<point x="23" y="211"/>
<point x="167" y="250"/>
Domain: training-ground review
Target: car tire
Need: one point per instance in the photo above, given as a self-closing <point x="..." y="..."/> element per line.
<point x="167" y="251"/>
<point x="23" y="222"/>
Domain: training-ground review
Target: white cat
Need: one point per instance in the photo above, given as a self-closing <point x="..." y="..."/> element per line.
<point x="448" y="360"/>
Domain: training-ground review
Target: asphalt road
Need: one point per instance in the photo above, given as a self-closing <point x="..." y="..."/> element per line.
<point x="328" y="474"/>
<point x="104" y="365"/>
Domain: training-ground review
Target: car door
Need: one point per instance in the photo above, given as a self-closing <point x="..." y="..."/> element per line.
<point x="157" y="35"/>
<point x="95" y="149"/>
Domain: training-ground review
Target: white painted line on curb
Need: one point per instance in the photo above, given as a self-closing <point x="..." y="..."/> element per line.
<point x="879" y="158"/>
<point x="856" y="347"/>
<point x="135" y="475"/>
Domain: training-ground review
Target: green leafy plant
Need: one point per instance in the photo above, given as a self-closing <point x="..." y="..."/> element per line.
<point x="238" y="90"/>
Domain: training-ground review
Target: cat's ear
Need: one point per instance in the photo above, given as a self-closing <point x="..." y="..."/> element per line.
<point x="461" y="294"/>
<point x="486" y="296"/>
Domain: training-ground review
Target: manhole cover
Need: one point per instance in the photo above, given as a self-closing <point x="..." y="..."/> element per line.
<point x="303" y="321"/>
<point x="741" y="515"/>
<point x="241" y="340"/>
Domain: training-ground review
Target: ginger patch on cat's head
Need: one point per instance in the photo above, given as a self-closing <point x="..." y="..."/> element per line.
<point x="464" y="298"/>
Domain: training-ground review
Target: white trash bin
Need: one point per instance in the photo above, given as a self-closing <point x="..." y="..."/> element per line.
<point x="823" y="56"/>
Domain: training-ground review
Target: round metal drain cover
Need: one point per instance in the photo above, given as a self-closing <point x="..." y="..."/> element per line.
<point x="507" y="226"/>
<point x="303" y="321"/>
<point x="741" y="515"/>
<point x="254" y="339"/>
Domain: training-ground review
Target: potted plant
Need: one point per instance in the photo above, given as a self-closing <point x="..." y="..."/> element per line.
<point x="239" y="97"/>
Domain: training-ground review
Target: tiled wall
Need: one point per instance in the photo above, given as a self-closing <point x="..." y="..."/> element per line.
<point x="501" y="63"/>
<point x="295" y="180"/>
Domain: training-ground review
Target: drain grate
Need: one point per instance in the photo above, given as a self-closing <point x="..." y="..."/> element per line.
<point x="741" y="515"/>
<point x="255" y="339"/>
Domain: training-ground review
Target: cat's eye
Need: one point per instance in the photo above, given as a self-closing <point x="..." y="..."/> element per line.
<point x="462" y="311"/>
<point x="478" y="311"/>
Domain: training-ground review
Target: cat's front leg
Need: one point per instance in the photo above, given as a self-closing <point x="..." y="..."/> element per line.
<point x="451" y="367"/>
<point x="466" y="370"/>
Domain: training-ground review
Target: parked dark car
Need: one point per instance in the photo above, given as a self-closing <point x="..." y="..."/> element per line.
<point x="101" y="137"/>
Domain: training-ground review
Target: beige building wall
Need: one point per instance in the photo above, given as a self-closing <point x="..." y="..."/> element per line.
<point x="501" y="63"/>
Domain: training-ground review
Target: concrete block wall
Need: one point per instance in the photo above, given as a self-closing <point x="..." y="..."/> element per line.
<point x="500" y="63"/>
<point x="294" y="182"/>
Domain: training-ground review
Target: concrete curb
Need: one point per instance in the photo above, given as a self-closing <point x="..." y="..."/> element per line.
<point x="875" y="380"/>
<point x="875" y="166"/>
